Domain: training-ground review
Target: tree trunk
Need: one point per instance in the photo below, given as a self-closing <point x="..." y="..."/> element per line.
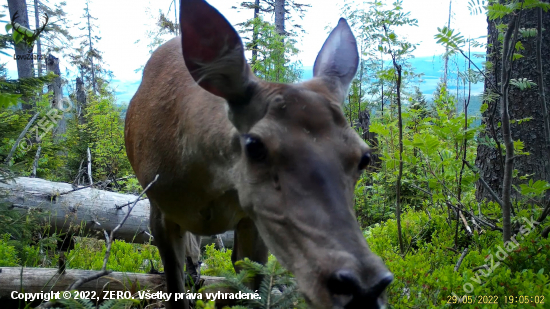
<point x="255" y="35"/>
<point x="24" y="66"/>
<point x="280" y="16"/>
<point x="85" y="212"/>
<point x="522" y="104"/>
<point x="80" y="99"/>
<point x="38" y="43"/>
<point x="52" y="65"/>
<point x="446" y="69"/>
<point x="91" y="48"/>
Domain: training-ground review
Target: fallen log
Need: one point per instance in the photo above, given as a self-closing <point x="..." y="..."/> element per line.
<point x="36" y="280"/>
<point x="85" y="211"/>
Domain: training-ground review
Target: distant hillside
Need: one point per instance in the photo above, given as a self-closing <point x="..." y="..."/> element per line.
<point x="430" y="67"/>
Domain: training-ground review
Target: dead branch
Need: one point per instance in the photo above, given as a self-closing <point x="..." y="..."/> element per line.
<point x="18" y="140"/>
<point x="90" y="166"/>
<point x="109" y="242"/>
<point x="464" y="253"/>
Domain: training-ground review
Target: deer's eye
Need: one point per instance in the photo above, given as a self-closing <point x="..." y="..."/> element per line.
<point x="365" y="161"/>
<point x="255" y="149"/>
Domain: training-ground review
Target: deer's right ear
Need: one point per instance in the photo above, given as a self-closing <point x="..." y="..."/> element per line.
<point x="213" y="51"/>
<point x="338" y="59"/>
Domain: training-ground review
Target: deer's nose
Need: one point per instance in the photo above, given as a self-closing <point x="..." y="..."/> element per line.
<point x="348" y="293"/>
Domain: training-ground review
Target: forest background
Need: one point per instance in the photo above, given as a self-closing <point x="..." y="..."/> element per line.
<point x="454" y="104"/>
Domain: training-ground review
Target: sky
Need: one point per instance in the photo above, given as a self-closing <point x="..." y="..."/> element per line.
<point x="121" y="23"/>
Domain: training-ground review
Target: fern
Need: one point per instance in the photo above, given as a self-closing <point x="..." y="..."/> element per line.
<point x="449" y="39"/>
<point x="528" y="33"/>
<point x="522" y="83"/>
<point x="277" y="289"/>
<point x="498" y="10"/>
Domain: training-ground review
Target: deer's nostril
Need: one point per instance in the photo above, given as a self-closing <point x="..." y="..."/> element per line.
<point x="377" y="290"/>
<point x="343" y="282"/>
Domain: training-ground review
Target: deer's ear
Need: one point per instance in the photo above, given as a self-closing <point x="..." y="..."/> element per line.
<point x="213" y="51"/>
<point x="338" y="59"/>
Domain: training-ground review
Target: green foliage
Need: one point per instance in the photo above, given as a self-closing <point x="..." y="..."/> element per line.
<point x="8" y="99"/>
<point x="432" y="160"/>
<point x="522" y="83"/>
<point x="39" y="134"/>
<point x="534" y="189"/>
<point x="8" y="255"/>
<point x="447" y="37"/>
<point x="277" y="289"/>
<point x="275" y="51"/>
<point x="26" y="233"/>
<point x="422" y="282"/>
<point x="218" y="261"/>
<point x="125" y="257"/>
<point x="101" y="128"/>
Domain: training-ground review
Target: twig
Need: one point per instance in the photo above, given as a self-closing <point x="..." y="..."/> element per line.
<point x="495" y="89"/>
<point x="18" y="140"/>
<point x="109" y="242"/>
<point x="457" y="266"/>
<point x="35" y="163"/>
<point x="119" y="207"/>
<point x="481" y="267"/>
<point x="90" y="166"/>
<point x="451" y="249"/>
<point x="484" y="183"/>
<point x="492" y="226"/>
<point x="468" y="229"/>
<point x="544" y="213"/>
<point x="96" y="184"/>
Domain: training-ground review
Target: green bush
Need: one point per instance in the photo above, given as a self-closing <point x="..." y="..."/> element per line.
<point x="425" y="277"/>
<point x="218" y="261"/>
<point x="8" y="254"/>
<point x="125" y="257"/>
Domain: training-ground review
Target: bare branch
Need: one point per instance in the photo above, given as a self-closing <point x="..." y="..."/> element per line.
<point x="464" y="253"/>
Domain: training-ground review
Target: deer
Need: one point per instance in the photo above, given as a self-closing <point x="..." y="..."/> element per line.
<point x="277" y="163"/>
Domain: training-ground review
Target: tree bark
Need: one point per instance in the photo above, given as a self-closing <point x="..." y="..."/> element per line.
<point x="85" y="212"/>
<point x="280" y="16"/>
<point x="523" y="104"/>
<point x="52" y="65"/>
<point x="24" y="66"/>
<point x="91" y="48"/>
<point x="255" y="35"/>
<point x="38" y="43"/>
<point x="81" y="100"/>
<point x="541" y="85"/>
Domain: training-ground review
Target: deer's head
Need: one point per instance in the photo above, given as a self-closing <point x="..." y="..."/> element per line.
<point x="299" y="158"/>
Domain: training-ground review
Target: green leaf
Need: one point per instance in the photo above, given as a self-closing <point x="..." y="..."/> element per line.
<point x="522" y="83"/>
<point x="8" y="27"/>
<point x="517" y="56"/>
<point x="498" y="10"/>
<point x="483" y="107"/>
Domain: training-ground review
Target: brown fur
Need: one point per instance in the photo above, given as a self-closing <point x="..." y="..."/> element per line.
<point x="299" y="203"/>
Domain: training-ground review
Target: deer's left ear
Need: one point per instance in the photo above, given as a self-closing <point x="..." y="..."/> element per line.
<point x="338" y="59"/>
<point x="213" y="51"/>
